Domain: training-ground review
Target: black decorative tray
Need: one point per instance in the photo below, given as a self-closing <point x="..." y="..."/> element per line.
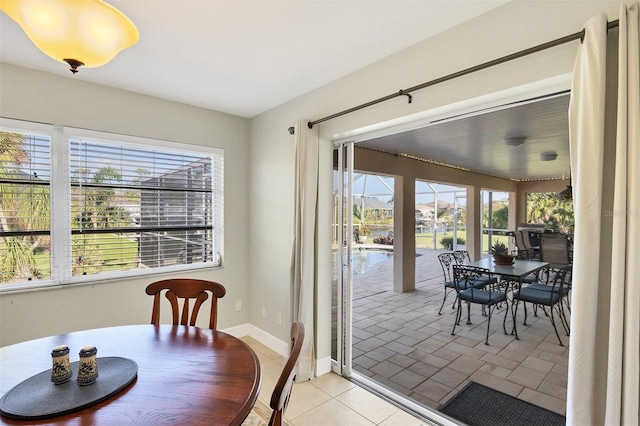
<point x="37" y="397"/>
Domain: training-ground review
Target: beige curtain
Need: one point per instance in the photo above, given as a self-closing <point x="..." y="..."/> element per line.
<point x="604" y="121"/>
<point x="303" y="258"/>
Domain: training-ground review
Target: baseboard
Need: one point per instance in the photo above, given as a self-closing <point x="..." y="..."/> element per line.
<point x="270" y="341"/>
<point x="323" y="366"/>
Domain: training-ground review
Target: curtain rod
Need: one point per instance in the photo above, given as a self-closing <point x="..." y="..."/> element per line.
<point x="407" y="92"/>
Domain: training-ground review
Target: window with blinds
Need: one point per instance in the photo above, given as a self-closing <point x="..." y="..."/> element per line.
<point x="25" y="244"/>
<point x="135" y="207"/>
<point x="119" y="207"/>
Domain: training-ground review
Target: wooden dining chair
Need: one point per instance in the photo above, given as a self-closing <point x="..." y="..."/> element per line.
<point x="282" y="391"/>
<point x="187" y="289"/>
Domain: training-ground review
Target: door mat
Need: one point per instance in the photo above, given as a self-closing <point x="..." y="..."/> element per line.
<point x="478" y="405"/>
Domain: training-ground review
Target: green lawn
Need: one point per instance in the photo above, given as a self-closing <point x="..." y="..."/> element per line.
<point x="109" y="252"/>
<point x="426" y="240"/>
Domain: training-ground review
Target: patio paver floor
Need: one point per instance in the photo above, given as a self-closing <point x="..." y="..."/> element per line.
<point x="400" y="341"/>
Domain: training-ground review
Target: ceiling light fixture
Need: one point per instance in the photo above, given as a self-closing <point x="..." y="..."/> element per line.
<point x="86" y="33"/>
<point x="515" y="140"/>
<point x="548" y="156"/>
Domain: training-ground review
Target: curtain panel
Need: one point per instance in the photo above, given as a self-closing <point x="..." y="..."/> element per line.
<point x="604" y="130"/>
<point x="303" y="257"/>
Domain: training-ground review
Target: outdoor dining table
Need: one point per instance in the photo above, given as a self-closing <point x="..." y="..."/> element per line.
<point x="514" y="274"/>
<point x="185" y="375"/>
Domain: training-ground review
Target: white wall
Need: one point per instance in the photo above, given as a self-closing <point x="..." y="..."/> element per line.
<point x="516" y="26"/>
<point x="261" y="195"/>
<point x="36" y="96"/>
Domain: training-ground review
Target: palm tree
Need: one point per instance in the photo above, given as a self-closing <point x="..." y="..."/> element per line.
<point x="11" y="152"/>
<point x="547" y="208"/>
<point x="22" y="208"/>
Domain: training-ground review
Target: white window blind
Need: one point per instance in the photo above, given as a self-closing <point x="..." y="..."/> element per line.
<point x="25" y="225"/>
<point x="137" y="207"/>
<point x="120" y="207"/>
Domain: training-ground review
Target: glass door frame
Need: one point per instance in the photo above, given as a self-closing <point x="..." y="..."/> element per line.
<point x="343" y="364"/>
<point x="344" y="254"/>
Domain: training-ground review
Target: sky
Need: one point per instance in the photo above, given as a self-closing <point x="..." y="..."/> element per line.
<point x="381" y="187"/>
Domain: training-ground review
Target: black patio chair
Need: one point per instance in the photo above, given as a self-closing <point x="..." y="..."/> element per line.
<point x="447" y="261"/>
<point x="489" y="297"/>
<point x="462" y="258"/>
<point x="546" y="295"/>
<point x="545" y="283"/>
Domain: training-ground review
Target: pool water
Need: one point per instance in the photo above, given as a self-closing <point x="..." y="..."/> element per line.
<point x="364" y="260"/>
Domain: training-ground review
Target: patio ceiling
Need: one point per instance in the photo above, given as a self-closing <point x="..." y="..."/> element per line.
<point x="476" y="142"/>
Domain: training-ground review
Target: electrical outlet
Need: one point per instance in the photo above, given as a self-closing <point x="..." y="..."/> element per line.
<point x="264" y="312"/>
<point x="238" y="305"/>
<point x="279" y="317"/>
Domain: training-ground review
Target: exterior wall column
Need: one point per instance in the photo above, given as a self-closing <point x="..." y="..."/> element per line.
<point x="474" y="217"/>
<point x="404" y="239"/>
<point x="515" y="199"/>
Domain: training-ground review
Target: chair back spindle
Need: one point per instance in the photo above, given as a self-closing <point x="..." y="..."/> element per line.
<point x="461" y="257"/>
<point x="187" y="289"/>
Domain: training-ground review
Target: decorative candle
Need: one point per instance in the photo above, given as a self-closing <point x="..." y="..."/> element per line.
<point x="88" y="368"/>
<point x="61" y="370"/>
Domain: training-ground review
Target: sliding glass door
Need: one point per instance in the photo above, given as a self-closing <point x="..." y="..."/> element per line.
<point x="342" y="247"/>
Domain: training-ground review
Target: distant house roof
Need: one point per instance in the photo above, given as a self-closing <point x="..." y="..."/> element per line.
<point x="428" y="207"/>
<point x="372" y="203"/>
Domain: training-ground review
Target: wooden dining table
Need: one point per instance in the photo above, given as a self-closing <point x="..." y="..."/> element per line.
<point x="185" y="375"/>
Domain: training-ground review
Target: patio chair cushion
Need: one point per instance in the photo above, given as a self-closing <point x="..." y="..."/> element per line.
<point x="537" y="296"/>
<point x="484" y="280"/>
<point x="547" y="288"/>
<point x="484" y="297"/>
<point x="464" y="284"/>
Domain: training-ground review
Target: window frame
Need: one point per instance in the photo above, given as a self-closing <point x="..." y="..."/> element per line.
<point x="60" y="195"/>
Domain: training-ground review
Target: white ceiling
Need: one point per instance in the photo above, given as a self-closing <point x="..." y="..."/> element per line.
<point x="477" y="141"/>
<point x="245" y="57"/>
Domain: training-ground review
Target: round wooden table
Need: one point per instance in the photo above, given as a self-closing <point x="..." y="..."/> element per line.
<point x="186" y="375"/>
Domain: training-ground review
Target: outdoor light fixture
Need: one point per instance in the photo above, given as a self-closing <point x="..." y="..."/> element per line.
<point x="566" y="194"/>
<point x="515" y="141"/>
<point x="86" y="33"/>
<point x="548" y="156"/>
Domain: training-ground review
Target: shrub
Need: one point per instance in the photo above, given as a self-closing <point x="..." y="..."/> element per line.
<point x="448" y="241"/>
<point x="384" y="239"/>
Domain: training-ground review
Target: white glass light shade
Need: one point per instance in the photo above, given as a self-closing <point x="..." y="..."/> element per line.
<point x="87" y="31"/>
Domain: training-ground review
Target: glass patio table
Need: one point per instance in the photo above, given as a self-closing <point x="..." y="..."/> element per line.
<point x="513" y="274"/>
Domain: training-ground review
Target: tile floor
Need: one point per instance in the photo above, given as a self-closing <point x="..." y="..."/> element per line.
<point x="400" y="341"/>
<point x="327" y="400"/>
